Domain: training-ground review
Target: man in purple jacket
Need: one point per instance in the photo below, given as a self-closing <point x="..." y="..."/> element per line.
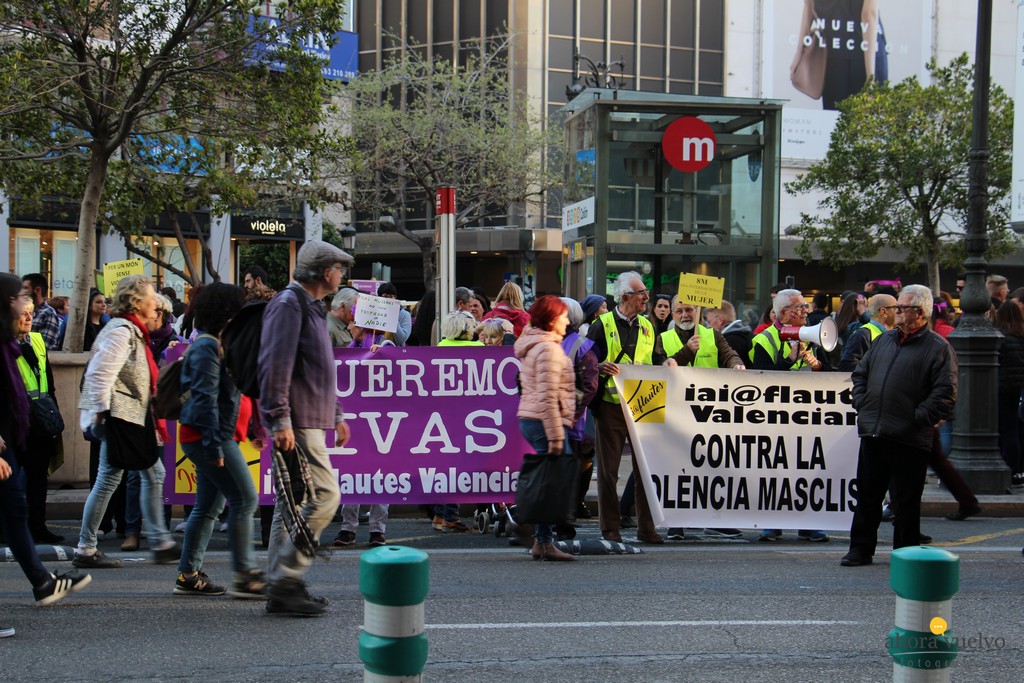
<point x="298" y="404"/>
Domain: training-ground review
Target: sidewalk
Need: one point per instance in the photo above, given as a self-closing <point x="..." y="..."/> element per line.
<point x="936" y="501"/>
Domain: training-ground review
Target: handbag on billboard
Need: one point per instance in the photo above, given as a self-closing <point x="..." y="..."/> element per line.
<point x="808" y="76"/>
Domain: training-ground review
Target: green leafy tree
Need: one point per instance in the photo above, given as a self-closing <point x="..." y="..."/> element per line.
<point x="896" y="174"/>
<point x="89" y="88"/>
<point x="418" y="125"/>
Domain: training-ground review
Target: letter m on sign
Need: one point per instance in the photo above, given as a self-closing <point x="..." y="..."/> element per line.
<point x="689" y="144"/>
<point x="698" y="149"/>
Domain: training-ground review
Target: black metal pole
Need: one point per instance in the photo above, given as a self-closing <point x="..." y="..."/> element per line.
<point x="975" y="427"/>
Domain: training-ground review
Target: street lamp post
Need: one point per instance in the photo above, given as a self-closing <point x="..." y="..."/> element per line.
<point x="975" y="436"/>
<point x="599" y="76"/>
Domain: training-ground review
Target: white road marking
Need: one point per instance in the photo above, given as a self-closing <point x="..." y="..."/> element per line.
<point x="629" y="624"/>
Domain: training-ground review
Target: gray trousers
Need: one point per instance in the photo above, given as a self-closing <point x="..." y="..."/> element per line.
<point x="378" y="518"/>
<point x="282" y="558"/>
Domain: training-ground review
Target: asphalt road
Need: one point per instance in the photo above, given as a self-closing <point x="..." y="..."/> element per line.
<point x="693" y="610"/>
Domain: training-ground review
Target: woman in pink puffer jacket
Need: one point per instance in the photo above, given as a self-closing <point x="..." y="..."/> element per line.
<point x="548" y="402"/>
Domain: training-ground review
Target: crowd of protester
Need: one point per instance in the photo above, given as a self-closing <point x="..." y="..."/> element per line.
<point x="570" y="352"/>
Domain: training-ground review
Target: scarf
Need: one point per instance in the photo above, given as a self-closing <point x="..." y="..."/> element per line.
<point x="158" y="339"/>
<point x="9" y="353"/>
<point x="154" y="371"/>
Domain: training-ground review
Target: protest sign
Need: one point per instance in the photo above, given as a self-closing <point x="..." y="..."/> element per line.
<point x="752" y="450"/>
<point x="115" y="271"/>
<point x="377" y="313"/>
<point x="701" y="290"/>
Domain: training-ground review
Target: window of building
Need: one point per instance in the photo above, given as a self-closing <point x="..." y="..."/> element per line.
<point x="592" y="21"/>
<point x="469" y="20"/>
<point x="652" y="21"/>
<point x="444" y="21"/>
<point x="623" y="20"/>
<point x="561" y="17"/>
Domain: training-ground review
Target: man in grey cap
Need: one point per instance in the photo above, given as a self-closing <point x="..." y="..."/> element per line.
<point x="298" y="403"/>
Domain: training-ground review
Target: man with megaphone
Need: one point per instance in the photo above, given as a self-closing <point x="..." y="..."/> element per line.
<point x="779" y="348"/>
<point x="686" y="342"/>
<point x="786" y="344"/>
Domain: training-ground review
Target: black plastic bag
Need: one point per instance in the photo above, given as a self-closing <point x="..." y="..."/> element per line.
<point x="546" y="492"/>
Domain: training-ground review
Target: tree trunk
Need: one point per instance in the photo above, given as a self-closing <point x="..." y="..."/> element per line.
<point x="204" y="246"/>
<point x="427" y="254"/>
<point x="196" y="278"/>
<point x="933" y="274"/>
<point x="85" y="258"/>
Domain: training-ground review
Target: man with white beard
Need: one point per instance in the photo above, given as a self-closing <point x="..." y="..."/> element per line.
<point x="688" y="343"/>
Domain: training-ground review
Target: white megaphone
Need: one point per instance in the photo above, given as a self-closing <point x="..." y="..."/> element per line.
<point x="825" y="334"/>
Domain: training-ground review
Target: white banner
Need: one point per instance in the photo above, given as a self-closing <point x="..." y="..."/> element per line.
<point x="751" y="450"/>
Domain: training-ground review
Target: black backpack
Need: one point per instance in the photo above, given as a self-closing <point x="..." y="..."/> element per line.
<point x="169" y="398"/>
<point x="241" y="343"/>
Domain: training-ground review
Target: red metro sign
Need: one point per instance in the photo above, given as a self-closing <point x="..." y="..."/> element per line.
<point x="689" y="144"/>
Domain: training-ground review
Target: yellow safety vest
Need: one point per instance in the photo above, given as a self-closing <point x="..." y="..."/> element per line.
<point x="874" y="330"/>
<point x="770" y="341"/>
<point x="644" y="349"/>
<point x="707" y="354"/>
<point x="459" y="342"/>
<point x="35" y="387"/>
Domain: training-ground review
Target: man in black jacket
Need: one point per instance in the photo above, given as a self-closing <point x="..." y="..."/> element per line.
<point x="902" y="388"/>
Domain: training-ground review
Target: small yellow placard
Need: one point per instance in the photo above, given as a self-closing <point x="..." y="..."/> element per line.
<point x="116" y="271"/>
<point x="701" y="290"/>
<point x="646" y="400"/>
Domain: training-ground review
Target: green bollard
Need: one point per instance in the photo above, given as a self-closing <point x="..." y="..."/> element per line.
<point x="394" y="581"/>
<point x="925" y="580"/>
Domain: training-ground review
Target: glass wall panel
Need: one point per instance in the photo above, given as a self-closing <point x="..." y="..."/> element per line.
<point x="710" y="67"/>
<point x="652" y="62"/>
<point x="27" y="254"/>
<point x="652" y="21"/>
<point x="469" y="20"/>
<point x="623" y="20"/>
<point x="391" y="16"/>
<point x="680" y="65"/>
<point x="497" y="16"/>
<point x="712" y="26"/>
<point x="417" y="18"/>
<point x="560" y="17"/>
<point x="682" y="33"/>
<point x="444" y="21"/>
<point x="64" y="250"/>
<point x="367" y="26"/>
<point x="592" y="21"/>
<point x="560" y="53"/>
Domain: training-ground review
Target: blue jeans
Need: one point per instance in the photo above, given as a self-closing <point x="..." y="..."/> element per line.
<point x="132" y="504"/>
<point x="214" y="485"/>
<point x="14" y="515"/>
<point x="449" y="512"/>
<point x="946" y="437"/>
<point x="533" y="431"/>
<point x="151" y="499"/>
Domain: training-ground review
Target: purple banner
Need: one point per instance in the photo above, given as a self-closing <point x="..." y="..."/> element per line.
<point x="428" y="425"/>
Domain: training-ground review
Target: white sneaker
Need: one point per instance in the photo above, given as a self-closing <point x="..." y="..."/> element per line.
<point x="180" y="528"/>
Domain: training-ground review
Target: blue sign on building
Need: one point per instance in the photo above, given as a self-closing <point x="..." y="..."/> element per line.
<point x="339" y="55"/>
